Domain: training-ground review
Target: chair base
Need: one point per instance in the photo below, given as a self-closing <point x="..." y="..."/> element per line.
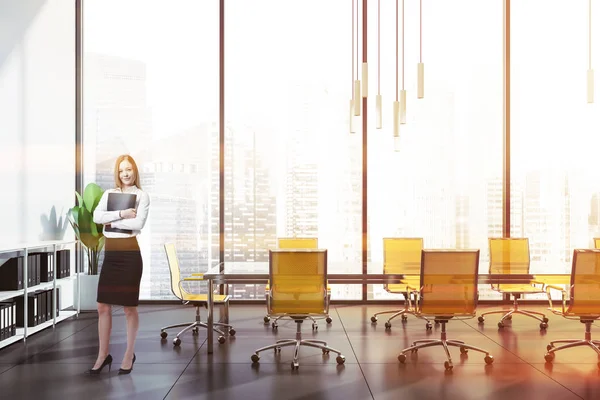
<point x="319" y="344"/>
<point x="570" y="343"/>
<point x="464" y="348"/>
<point x="402" y="313"/>
<point x="515" y="310"/>
<point x="197" y="324"/>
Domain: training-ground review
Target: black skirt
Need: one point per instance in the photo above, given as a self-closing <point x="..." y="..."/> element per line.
<point x="121" y="273"/>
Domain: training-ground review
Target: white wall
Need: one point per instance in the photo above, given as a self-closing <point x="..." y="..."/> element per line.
<point x="37" y="117"/>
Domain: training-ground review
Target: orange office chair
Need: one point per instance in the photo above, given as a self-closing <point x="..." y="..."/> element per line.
<point x="511" y="256"/>
<point x="402" y="256"/>
<point x="196" y="299"/>
<point x="298" y="290"/>
<point x="584" y="302"/>
<point x="448" y="291"/>
<point x="300" y="243"/>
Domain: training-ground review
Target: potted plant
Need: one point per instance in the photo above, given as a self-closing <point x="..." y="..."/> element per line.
<point x="91" y="237"/>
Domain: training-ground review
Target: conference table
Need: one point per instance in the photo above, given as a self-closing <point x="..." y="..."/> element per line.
<point x="340" y="273"/>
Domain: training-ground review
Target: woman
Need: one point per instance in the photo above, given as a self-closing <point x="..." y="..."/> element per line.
<point x="121" y="272"/>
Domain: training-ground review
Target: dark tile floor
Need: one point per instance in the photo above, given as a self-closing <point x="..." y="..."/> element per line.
<point x="51" y="364"/>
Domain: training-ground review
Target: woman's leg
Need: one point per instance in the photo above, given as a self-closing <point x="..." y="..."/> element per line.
<point x="133" y="323"/>
<point x="104" y="327"/>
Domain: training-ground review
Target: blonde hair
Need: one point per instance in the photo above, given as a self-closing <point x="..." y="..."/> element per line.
<point x="120" y="159"/>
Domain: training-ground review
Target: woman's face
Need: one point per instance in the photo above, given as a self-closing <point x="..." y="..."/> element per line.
<point x="126" y="173"/>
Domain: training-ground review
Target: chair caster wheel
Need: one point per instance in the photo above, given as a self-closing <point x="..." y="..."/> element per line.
<point x="328" y="320"/>
<point x="549" y="357"/>
<point x="267" y="319"/>
<point x="315" y="327"/>
<point x="340" y="359"/>
<point x="221" y="339"/>
<point x="388" y="325"/>
<point x="428" y="326"/>
<point x="295" y="365"/>
<point x="404" y="318"/>
<point x="402" y="358"/>
<point x="543" y="325"/>
<point x="176" y="341"/>
<point x="463" y="350"/>
<point x="274" y="325"/>
<point x="373" y="319"/>
<point x="488" y="359"/>
<point x="277" y="350"/>
<point x="232" y="332"/>
<point x="255" y="358"/>
<point x="500" y="325"/>
<point x="546" y="320"/>
<point x="195" y="331"/>
<point x="481" y="319"/>
<point x="325" y="351"/>
<point x="164" y="335"/>
<point x="448" y="365"/>
<point x="549" y="347"/>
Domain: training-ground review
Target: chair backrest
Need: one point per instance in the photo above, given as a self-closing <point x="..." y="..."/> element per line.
<point x="585" y="283"/>
<point x="298" y="281"/>
<point x="509" y="255"/>
<point x="449" y="282"/>
<point x="297" y="243"/>
<point x="402" y="255"/>
<point x="174" y="268"/>
<point x="597" y="243"/>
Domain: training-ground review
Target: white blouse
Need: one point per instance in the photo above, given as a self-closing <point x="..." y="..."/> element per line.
<point x="142" y="205"/>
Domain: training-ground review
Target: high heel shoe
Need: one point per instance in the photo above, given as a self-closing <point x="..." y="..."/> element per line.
<point x="127" y="371"/>
<point x="107" y="361"/>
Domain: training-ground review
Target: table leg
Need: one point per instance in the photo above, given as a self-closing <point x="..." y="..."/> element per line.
<point x="209" y="321"/>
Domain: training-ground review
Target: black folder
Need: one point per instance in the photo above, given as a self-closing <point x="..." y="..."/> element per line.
<point x="118" y="202"/>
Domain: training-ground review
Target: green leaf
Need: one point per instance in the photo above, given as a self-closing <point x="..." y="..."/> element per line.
<point x="91" y="196"/>
<point x="79" y="199"/>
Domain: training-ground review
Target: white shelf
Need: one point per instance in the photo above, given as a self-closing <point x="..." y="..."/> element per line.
<point x="31" y="330"/>
<point x="11" y="294"/>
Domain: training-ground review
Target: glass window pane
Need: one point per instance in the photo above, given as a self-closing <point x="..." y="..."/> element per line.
<point x="554" y="132"/>
<point x="291" y="166"/>
<point x="445" y="182"/>
<point x="151" y="76"/>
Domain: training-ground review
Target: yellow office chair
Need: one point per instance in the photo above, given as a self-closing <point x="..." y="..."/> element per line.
<point x="597" y="243"/>
<point x="298" y="290"/>
<point x="402" y="256"/>
<point x="299" y="243"/>
<point x="584" y="302"/>
<point x="511" y="256"/>
<point x="448" y="290"/>
<point x="197" y="300"/>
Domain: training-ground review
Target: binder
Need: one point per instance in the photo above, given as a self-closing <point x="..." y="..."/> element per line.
<point x="33" y="269"/>
<point x="9" y="321"/>
<point x="32" y="310"/>
<point x="63" y="263"/>
<point x="118" y="202"/>
<point x="11" y="274"/>
<point x="46" y="267"/>
<point x="42" y="315"/>
<point x="3" y="322"/>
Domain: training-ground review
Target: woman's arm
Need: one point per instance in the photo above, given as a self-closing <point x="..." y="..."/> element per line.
<point x="139" y="221"/>
<point x="101" y="215"/>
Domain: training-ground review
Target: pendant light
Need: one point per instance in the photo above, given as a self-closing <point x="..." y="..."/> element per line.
<point x="420" y="65"/>
<point x="590" y="72"/>
<point x="403" y="92"/>
<point x="357" y="99"/>
<point x="351" y="114"/>
<point x="378" y="111"/>
<point x="396" y="110"/>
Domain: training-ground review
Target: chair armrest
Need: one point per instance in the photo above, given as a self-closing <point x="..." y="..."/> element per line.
<point x="564" y="299"/>
<point x="193" y="279"/>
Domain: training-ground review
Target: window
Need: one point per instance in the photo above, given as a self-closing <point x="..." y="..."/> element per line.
<point x="151" y="93"/>
<point x="554" y="133"/>
<point x="291" y="166"/>
<point x="445" y="182"/>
